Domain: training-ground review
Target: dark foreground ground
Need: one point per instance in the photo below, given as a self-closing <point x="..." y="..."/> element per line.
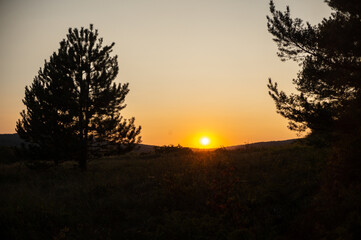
<point x="256" y="193"/>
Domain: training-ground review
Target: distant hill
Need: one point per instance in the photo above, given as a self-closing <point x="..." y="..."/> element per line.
<point x="262" y="144"/>
<point x="143" y="148"/>
<point x="251" y="145"/>
<point x="15" y="140"/>
<point x="10" y="140"/>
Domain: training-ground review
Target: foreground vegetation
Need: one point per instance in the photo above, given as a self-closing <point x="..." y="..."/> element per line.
<point x="257" y="193"/>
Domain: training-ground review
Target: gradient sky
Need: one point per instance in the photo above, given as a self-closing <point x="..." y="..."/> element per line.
<point x="195" y="67"/>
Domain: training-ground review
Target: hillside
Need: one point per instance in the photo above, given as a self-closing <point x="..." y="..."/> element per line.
<point x="206" y="195"/>
<point x="274" y="192"/>
<point x="15" y="140"/>
<point x="10" y="140"/>
<point x="262" y="144"/>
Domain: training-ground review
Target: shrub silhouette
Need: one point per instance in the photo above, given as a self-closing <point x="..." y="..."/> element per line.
<point x="172" y="149"/>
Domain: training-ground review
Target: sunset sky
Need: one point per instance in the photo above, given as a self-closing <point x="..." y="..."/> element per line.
<point x="195" y="67"/>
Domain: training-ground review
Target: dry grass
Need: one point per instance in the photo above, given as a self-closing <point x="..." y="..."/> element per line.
<point x="248" y="194"/>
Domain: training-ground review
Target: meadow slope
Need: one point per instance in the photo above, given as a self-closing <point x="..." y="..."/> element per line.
<point x="255" y="193"/>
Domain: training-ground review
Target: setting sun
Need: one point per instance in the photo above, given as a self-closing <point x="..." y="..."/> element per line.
<point x="205" y="141"/>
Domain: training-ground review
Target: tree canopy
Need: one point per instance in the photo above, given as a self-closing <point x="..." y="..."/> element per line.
<point x="73" y="106"/>
<point x="328" y="101"/>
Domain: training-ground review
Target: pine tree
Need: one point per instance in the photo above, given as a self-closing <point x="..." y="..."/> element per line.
<point x="73" y="105"/>
<point x="329" y="83"/>
<point x="328" y="103"/>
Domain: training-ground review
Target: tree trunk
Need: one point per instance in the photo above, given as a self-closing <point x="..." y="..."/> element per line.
<point x="84" y="122"/>
<point x="83" y="157"/>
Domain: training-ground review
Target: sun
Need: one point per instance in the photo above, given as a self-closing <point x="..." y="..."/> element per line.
<point x="205" y="141"/>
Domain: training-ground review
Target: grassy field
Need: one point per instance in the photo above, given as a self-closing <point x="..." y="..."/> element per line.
<point x="256" y="193"/>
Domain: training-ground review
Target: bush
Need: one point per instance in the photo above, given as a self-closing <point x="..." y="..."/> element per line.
<point x="172" y="149"/>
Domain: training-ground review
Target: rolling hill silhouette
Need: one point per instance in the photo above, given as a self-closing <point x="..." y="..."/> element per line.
<point x="14" y="140"/>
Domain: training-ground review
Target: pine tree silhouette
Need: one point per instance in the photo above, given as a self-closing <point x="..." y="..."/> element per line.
<point x="73" y="105"/>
